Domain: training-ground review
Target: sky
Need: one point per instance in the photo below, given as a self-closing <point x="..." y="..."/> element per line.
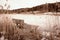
<point x="14" y="4"/>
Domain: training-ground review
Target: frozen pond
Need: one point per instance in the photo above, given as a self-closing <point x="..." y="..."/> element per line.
<point x="44" y="21"/>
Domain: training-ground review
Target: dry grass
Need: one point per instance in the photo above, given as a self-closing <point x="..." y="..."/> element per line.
<point x="12" y="32"/>
<point x="29" y="32"/>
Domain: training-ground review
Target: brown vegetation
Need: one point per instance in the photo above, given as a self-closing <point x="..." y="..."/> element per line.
<point x="11" y="31"/>
<point x="48" y="7"/>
